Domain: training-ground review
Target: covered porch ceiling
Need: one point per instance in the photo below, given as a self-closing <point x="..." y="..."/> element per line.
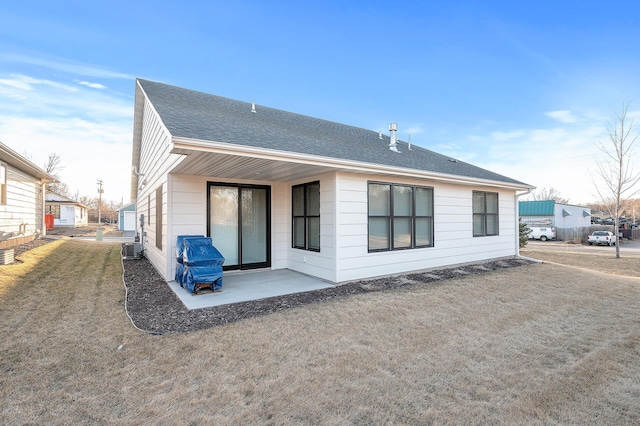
<point x="247" y="168"/>
<point x="227" y="161"/>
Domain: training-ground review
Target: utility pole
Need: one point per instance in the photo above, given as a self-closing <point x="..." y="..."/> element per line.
<point x="100" y="191"/>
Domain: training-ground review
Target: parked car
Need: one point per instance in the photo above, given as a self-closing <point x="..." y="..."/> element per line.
<point x="542" y="233"/>
<point x="602" y="238"/>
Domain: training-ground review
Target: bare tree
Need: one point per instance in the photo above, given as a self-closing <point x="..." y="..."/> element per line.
<point x="617" y="178"/>
<point x="549" y="194"/>
<point x="54" y="166"/>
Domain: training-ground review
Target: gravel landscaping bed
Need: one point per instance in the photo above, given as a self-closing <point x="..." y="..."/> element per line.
<point x="18" y="250"/>
<point x="154" y="308"/>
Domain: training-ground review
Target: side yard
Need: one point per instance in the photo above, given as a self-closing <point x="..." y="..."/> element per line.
<point x="543" y="343"/>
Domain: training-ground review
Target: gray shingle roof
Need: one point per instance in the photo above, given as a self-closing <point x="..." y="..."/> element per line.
<point x="196" y="115"/>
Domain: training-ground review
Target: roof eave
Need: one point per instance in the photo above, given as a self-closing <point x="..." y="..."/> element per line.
<point x="138" y="118"/>
<point x="18" y="161"/>
<point x="72" y="203"/>
<point x="182" y="145"/>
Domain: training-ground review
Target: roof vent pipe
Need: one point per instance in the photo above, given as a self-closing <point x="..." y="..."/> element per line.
<point x="253" y="106"/>
<point x="393" y="144"/>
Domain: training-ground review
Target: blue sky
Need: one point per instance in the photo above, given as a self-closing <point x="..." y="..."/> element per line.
<point x="523" y="89"/>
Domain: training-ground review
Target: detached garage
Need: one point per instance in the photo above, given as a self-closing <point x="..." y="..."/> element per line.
<point x="127" y="217"/>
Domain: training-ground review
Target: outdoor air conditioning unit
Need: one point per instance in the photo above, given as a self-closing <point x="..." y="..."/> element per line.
<point x="7" y="256"/>
<point x="132" y="250"/>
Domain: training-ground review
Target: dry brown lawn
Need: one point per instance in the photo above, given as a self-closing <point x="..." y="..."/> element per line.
<point x="628" y="264"/>
<point x="538" y="344"/>
<point x="90" y="230"/>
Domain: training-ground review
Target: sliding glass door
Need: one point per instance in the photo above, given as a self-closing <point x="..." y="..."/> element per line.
<point x="239" y="224"/>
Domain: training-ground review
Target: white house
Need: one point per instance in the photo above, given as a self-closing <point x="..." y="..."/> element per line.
<point x="22" y="191"/>
<point x="280" y="190"/>
<point x="66" y="212"/>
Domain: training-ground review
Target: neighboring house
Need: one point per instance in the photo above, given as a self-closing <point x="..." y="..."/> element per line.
<point x="66" y="212"/>
<point x="280" y="190"/>
<point x="22" y="188"/>
<point x="556" y="215"/>
<point x="127" y="217"/>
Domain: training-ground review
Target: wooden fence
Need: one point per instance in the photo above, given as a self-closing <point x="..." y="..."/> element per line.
<point x="579" y="235"/>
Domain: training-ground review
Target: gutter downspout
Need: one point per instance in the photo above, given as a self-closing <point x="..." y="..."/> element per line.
<point x="43" y="224"/>
<point x="517" y="210"/>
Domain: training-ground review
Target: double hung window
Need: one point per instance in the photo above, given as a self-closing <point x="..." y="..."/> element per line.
<point x="159" y="217"/>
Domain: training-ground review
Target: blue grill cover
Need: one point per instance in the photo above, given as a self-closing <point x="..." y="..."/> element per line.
<point x="202" y="275"/>
<point x="199" y="262"/>
<point x="180" y="274"/>
<point x="201" y="252"/>
<point x="180" y="245"/>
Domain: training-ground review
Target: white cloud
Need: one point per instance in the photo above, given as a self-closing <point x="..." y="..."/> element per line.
<point x="558" y="157"/>
<point x="64" y="65"/>
<point x="90" y="130"/>
<point x="563" y="116"/>
<point x="88" y="151"/>
<point x="46" y="98"/>
<point x="92" y="85"/>
<point x="506" y="136"/>
<point x="15" y="84"/>
<point x="24" y="82"/>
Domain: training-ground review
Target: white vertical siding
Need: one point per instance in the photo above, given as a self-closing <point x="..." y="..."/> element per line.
<point x="23" y="215"/>
<point x="453" y="230"/>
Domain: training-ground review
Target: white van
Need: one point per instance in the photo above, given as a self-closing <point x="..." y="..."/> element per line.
<point x="542" y="233"/>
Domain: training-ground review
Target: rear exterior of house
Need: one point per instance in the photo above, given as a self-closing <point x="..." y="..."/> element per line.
<point x="279" y="190"/>
<point x="65" y="211"/>
<point x="22" y="188"/>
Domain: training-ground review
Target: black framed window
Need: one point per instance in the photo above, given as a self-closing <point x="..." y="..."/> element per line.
<point x="306" y="216"/>
<point x="485" y="214"/>
<point x="400" y="216"/>
<point x="159" y="217"/>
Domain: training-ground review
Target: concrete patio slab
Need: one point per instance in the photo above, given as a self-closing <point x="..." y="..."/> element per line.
<point x="250" y="285"/>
